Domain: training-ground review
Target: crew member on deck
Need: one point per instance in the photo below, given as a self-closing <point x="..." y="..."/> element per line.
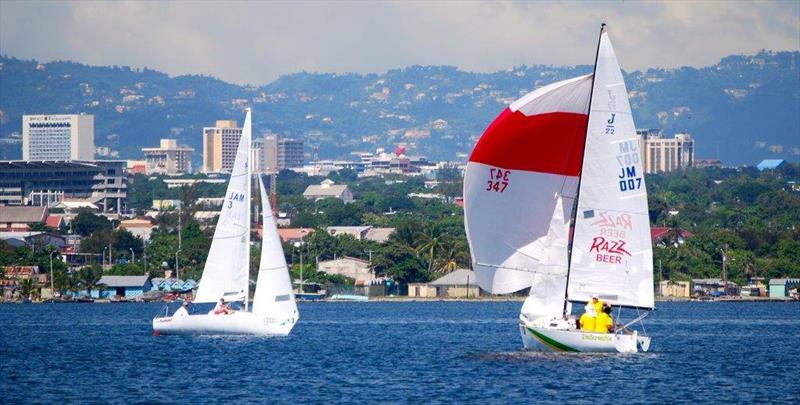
<point x="604" y="322"/>
<point x="587" y="320"/>
<point x="598" y="304"/>
<point x="183" y="310"/>
<point x="222" y="308"/>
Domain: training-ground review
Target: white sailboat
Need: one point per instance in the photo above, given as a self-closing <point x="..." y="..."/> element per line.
<point x="226" y="271"/>
<point x="570" y="141"/>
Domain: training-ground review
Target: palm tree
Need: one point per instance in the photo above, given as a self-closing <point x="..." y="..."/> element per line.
<point x="453" y="253"/>
<point x="88" y="277"/>
<point x="26" y="288"/>
<point x="674" y="233"/>
<point x="428" y="240"/>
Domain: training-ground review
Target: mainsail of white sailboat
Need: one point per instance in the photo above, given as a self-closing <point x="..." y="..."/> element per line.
<point x="226" y="273"/>
<point x="520" y="191"/>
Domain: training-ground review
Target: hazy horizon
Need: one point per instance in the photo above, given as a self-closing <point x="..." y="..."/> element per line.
<point x="356" y="37"/>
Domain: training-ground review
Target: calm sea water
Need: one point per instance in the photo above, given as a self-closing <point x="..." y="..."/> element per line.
<point x="394" y="352"/>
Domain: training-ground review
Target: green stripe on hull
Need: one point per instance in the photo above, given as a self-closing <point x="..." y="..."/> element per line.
<point x="550" y="342"/>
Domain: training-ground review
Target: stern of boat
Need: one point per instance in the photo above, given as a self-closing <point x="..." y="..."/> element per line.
<point x="557" y="338"/>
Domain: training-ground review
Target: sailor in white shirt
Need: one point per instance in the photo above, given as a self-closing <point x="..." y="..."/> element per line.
<point x="183" y="310"/>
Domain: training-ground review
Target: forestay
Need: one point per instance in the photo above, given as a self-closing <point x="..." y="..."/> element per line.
<point x="274" y="287"/>
<point x="612" y="254"/>
<point x="226" y="270"/>
<point x="519" y="190"/>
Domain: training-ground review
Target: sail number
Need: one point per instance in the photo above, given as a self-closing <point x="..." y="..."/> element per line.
<point x="498" y="180"/>
<point x="628" y="179"/>
<point x="234" y="197"/>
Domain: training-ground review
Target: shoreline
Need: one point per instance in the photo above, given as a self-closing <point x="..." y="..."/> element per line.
<point x="437" y="299"/>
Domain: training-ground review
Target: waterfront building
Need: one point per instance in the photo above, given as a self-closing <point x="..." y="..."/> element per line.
<point x="678" y="289"/>
<point x="58" y="137"/>
<point x="102" y="183"/>
<point x="459" y="283"/>
<point x="219" y="146"/>
<point x="664" y="155"/>
<point x="351" y="267"/>
<point x="328" y="189"/>
<point x="714" y="287"/>
<point x="780" y="287"/>
<point x="290" y="153"/>
<point x="120" y="286"/>
<point x="168" y="159"/>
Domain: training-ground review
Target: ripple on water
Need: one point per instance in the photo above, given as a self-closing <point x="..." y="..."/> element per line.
<point x="393" y="352"/>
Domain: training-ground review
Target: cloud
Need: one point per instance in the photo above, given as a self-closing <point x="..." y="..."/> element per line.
<point x="255" y="42"/>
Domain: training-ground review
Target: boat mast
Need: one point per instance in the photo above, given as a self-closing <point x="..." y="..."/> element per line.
<point x="249" y="212"/>
<point x="574" y="214"/>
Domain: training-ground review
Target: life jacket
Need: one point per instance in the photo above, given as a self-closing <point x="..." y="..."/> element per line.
<point x="603" y="322"/>
<point x="587" y="323"/>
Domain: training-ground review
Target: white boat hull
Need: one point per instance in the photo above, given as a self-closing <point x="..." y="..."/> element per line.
<point x="545" y="339"/>
<point x="237" y="323"/>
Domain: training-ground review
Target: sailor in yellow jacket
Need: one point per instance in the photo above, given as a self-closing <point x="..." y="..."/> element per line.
<point x="598" y="304"/>
<point x="587" y="320"/>
<point x="604" y="322"/>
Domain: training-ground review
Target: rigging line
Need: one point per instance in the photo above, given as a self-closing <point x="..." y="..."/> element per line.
<point x="519" y="269"/>
<point x="574" y="214"/>
<point x="271" y="268"/>
<point x="230" y="237"/>
<point x="615" y="211"/>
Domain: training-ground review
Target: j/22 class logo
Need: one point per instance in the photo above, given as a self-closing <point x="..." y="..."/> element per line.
<point x="498" y="180"/>
<point x="234" y="197"/>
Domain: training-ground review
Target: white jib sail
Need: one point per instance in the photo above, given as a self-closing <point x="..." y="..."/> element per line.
<point x="519" y="190"/>
<point x="226" y="272"/>
<point x="274" y="287"/>
<point x="612" y="254"/>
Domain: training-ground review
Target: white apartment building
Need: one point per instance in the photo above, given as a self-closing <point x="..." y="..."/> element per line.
<point x="168" y="159"/>
<point x="58" y="137"/>
<point x="662" y="155"/>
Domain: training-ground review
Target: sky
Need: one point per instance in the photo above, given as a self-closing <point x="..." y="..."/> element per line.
<point x="258" y="41"/>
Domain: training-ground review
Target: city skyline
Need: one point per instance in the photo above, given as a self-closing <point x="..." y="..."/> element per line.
<point x="353" y="37"/>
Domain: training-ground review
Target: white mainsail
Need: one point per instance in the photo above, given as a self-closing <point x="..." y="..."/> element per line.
<point x="274" y="286"/>
<point x="226" y="272"/>
<point x="519" y="191"/>
<point x="612" y="254"/>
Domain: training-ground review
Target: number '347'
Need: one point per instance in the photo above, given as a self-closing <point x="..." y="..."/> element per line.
<point x="498" y="180"/>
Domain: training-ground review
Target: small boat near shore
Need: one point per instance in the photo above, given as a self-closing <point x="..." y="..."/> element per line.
<point x="348" y="297"/>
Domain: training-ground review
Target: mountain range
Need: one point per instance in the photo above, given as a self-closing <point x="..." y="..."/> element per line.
<point x="741" y="110"/>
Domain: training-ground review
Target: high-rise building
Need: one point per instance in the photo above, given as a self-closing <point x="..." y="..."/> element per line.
<point x="290" y="153"/>
<point x="58" y="137"/>
<point x="219" y="146"/>
<point x="168" y="159"/>
<point x="270" y="154"/>
<point x="665" y="154"/>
